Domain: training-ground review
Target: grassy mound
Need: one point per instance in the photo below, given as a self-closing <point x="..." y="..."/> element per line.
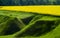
<point x="18" y="24"/>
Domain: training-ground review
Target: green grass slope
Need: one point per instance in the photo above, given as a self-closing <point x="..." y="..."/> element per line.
<point x="18" y="24"/>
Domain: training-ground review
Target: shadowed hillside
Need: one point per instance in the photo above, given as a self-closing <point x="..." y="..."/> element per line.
<point x="29" y="2"/>
<point x="16" y="24"/>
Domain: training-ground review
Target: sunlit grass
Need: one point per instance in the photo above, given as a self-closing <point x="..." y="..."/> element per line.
<point x="17" y="16"/>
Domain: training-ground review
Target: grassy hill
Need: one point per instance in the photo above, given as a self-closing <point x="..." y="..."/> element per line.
<point x="18" y="24"/>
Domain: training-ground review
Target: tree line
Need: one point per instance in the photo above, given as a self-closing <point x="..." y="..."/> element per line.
<point x="29" y="2"/>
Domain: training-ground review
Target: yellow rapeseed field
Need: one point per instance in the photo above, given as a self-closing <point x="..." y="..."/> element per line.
<point x="50" y="9"/>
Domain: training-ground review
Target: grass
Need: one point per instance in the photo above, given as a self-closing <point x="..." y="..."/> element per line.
<point x="38" y="25"/>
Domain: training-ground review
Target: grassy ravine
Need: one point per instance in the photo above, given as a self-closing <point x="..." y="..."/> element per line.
<point x="17" y="24"/>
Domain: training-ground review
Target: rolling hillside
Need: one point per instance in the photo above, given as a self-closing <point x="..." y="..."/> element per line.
<point x="19" y="24"/>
